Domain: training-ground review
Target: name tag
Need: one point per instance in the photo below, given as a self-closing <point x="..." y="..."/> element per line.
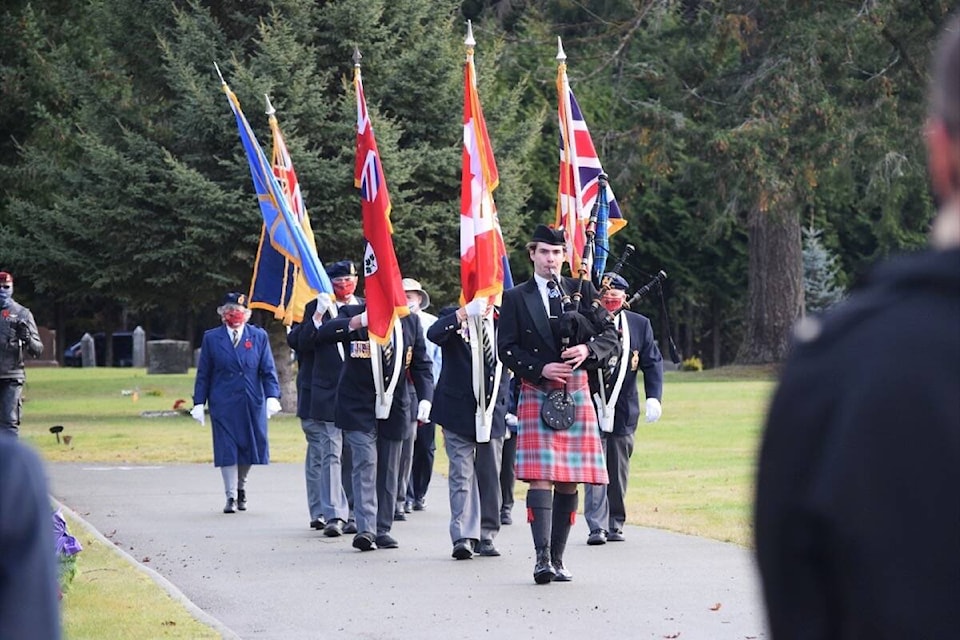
<point x="360" y="349"/>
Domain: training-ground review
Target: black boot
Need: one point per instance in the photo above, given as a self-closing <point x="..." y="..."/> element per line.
<point x="539" y="515"/>
<point x="564" y="515"/>
<point x="241" y="500"/>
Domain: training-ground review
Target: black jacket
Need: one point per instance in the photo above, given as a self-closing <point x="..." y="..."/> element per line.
<point x="857" y="512"/>
<point x="18" y="333"/>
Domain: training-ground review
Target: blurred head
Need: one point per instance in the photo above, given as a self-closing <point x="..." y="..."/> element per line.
<point x="614" y="297"/>
<point x="233" y="309"/>
<point x="417" y="298"/>
<point x="6" y="286"/>
<point x="343" y="277"/>
<point x="547" y="251"/>
<point x="943" y="136"/>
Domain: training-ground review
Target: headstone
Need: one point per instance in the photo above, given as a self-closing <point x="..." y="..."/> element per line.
<point x="168" y="356"/>
<point x="88" y="351"/>
<point x="49" y="356"/>
<point x="139" y="348"/>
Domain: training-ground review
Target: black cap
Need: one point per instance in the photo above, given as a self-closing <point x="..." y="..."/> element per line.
<point x="341" y="269"/>
<point x="616" y="281"/>
<point x="234" y="297"/>
<point x="545" y="234"/>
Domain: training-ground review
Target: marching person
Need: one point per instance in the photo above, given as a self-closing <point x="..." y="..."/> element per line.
<point x="375" y="443"/>
<point x="618" y="405"/>
<point x="474" y="468"/>
<point x="18" y="333"/>
<point x="317" y="377"/>
<point x="508" y="476"/>
<point x="857" y="518"/>
<point x="237" y="377"/>
<point x="551" y="350"/>
<point x="419" y="444"/>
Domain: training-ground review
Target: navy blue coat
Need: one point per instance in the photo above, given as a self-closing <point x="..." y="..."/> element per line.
<point x="235" y="383"/>
<point x="356" y="395"/>
<point x="643" y="356"/>
<point x="454" y="405"/>
<point x="319" y="366"/>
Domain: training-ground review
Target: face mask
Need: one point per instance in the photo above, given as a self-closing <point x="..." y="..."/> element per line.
<point x="611" y="304"/>
<point x="344" y="290"/>
<point x="5" y="294"/>
<point x="234" y="317"/>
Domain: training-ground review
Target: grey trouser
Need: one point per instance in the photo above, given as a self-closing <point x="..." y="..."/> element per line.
<point x="604" y="507"/>
<point x="363" y="450"/>
<point x="325" y="493"/>
<point x="474" y="484"/>
<point x="234" y="478"/>
<point x="388" y="469"/>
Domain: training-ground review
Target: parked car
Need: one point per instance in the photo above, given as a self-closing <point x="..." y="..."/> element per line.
<point x="122" y="350"/>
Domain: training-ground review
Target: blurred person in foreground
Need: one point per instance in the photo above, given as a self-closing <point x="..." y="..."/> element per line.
<point x="236" y="375"/>
<point x="857" y="515"/>
<point x="29" y="605"/>
<point x="18" y="333"/>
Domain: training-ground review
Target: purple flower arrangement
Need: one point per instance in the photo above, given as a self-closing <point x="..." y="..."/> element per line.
<point x="67" y="549"/>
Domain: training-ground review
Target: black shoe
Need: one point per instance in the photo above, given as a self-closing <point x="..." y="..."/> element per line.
<point x="387" y="541"/>
<point x="318" y="523"/>
<point x="399" y="515"/>
<point x="419" y="504"/>
<point x="506" y="517"/>
<point x="615" y="535"/>
<point x="230" y="507"/>
<point x="543" y="572"/>
<point x="241" y="500"/>
<point x="487" y="549"/>
<point x="407" y="506"/>
<point x="363" y="541"/>
<point x="596" y="537"/>
<point x="334" y="528"/>
<point x="463" y="549"/>
<point x="351" y="526"/>
<point x="563" y="575"/>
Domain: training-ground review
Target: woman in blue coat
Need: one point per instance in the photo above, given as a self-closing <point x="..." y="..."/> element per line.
<point x="237" y="377"/>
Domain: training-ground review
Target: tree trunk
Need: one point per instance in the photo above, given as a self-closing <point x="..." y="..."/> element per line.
<point x="286" y="366"/>
<point x="716" y="321"/>
<point x="775" y="286"/>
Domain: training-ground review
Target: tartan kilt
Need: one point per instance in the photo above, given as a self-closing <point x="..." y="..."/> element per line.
<point x="574" y="455"/>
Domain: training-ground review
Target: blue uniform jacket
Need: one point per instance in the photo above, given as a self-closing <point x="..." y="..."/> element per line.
<point x="643" y="356"/>
<point x="454" y="405"/>
<point x="235" y="383"/>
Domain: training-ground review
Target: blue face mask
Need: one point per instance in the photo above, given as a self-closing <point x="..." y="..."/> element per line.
<point x="5" y="294"/>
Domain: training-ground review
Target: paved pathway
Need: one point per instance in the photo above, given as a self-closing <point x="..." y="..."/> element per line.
<point x="264" y="574"/>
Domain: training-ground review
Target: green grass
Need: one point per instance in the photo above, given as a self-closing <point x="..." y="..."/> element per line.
<point x="691" y="472"/>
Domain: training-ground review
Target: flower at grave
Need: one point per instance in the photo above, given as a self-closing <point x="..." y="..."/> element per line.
<point x="67" y="549"/>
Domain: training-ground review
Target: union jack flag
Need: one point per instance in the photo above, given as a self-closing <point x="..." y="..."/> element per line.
<point x="382" y="286"/>
<point x="579" y="171"/>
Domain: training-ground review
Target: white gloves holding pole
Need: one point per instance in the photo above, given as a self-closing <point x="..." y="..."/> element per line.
<point x="653" y="409"/>
<point x="476" y="307"/>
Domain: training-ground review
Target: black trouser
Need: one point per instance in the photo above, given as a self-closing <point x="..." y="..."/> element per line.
<point x="423" y="453"/>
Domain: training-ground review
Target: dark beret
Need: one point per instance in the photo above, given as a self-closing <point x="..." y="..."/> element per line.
<point x="545" y="234"/>
<point x="616" y="281"/>
<point x="234" y="297"/>
<point x="341" y="269"/>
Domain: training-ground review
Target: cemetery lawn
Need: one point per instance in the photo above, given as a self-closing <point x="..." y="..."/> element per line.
<point x="691" y="472"/>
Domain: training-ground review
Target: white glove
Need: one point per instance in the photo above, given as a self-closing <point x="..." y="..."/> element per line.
<point x="476" y="307"/>
<point x="653" y="410"/>
<point x="423" y="411"/>
<point x="511" y="420"/>
<point x="273" y="407"/>
<point x="197" y="413"/>
<point x="326" y="303"/>
<point x="363" y="319"/>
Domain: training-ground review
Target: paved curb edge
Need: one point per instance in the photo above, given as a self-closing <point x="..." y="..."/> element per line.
<point x="171" y="589"/>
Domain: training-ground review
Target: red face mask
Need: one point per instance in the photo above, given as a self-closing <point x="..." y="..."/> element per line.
<point x="234" y="317"/>
<point x="344" y="289"/>
<point x="611" y="304"/>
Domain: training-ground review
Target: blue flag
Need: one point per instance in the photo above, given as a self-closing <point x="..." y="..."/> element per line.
<point x="601" y="240"/>
<point x="286" y="234"/>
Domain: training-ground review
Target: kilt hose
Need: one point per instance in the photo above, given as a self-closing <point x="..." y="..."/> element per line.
<point x="573" y="455"/>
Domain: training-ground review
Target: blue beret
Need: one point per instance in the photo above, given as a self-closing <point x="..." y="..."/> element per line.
<point x="341" y="269"/>
<point x="234" y="297"/>
<point x="616" y="281"/>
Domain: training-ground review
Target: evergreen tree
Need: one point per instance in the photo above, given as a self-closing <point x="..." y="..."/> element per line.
<point x="821" y="273"/>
